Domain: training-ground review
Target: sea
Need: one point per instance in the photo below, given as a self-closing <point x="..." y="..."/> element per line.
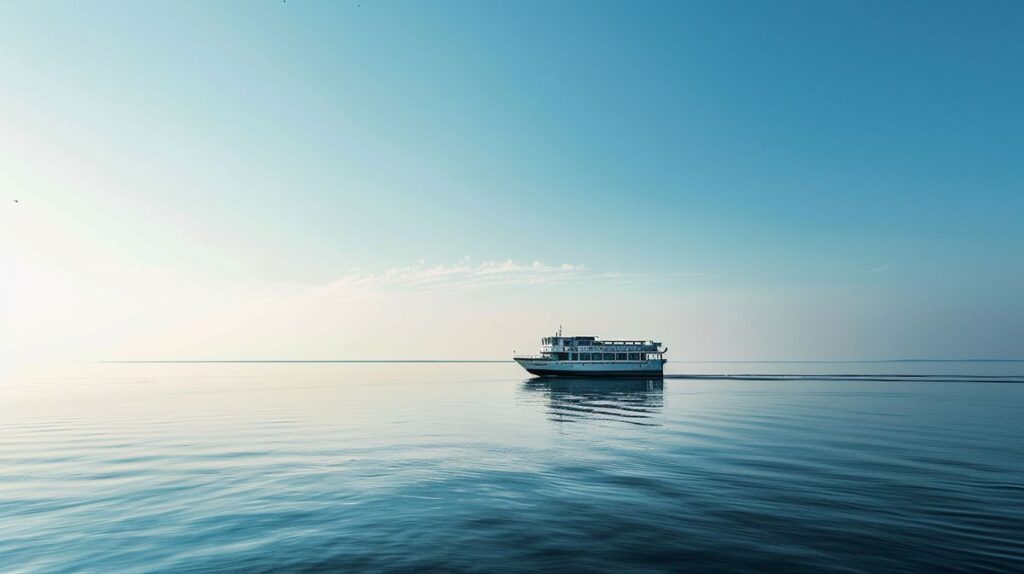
<point x="901" y="466"/>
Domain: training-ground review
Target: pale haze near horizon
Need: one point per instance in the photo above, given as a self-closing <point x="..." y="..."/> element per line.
<point x="454" y="180"/>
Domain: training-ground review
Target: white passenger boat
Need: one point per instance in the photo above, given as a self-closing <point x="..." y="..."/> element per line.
<point x="592" y="357"/>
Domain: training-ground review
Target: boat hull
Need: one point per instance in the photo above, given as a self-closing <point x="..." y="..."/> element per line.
<point x="549" y="368"/>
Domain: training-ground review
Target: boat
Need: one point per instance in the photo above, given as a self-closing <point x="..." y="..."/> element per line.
<point x="593" y="357"/>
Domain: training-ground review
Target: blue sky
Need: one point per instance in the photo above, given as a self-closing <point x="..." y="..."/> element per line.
<point x="753" y="180"/>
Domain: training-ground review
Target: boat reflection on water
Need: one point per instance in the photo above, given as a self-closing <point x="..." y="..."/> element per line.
<point x="633" y="401"/>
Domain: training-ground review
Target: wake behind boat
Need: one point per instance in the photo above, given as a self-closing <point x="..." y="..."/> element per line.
<point x="592" y="357"/>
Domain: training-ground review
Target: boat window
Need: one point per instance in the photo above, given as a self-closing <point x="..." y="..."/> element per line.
<point x="584" y="356"/>
<point x="572" y="356"/>
<point x="634" y="356"/>
<point x="620" y="357"/>
<point x="609" y="356"/>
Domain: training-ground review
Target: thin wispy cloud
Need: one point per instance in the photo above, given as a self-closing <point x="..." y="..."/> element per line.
<point x="465" y="276"/>
<point x="865" y="265"/>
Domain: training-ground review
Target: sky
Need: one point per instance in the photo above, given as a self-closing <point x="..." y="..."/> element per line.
<point x="403" y="179"/>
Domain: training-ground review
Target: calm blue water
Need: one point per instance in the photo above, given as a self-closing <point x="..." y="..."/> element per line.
<point x="474" y="467"/>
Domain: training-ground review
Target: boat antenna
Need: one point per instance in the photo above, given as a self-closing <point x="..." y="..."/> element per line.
<point x="559" y="330"/>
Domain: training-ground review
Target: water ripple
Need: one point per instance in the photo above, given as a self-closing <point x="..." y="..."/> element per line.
<point x="300" y="468"/>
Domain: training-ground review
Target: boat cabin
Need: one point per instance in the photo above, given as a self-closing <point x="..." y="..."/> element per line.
<point x="560" y="348"/>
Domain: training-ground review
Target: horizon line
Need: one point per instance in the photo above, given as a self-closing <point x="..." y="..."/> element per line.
<point x="808" y="361"/>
